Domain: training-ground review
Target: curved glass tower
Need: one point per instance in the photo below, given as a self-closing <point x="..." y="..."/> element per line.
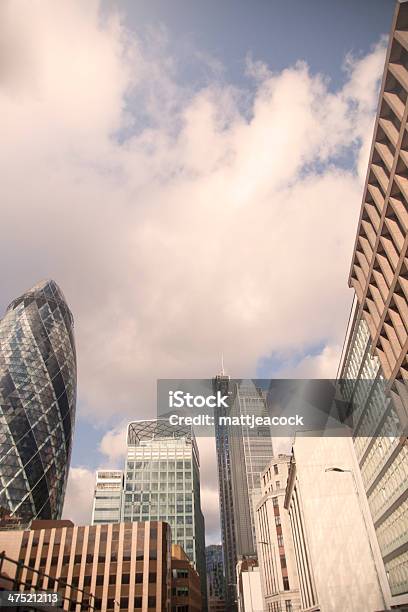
<point x="37" y="402"/>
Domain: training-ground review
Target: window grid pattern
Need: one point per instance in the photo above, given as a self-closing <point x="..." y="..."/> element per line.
<point x="37" y="402"/>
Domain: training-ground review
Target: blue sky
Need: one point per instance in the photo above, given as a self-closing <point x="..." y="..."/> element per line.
<point x="191" y="186"/>
<point x="277" y="32"/>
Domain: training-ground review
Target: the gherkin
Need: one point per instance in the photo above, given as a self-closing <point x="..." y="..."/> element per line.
<point x="37" y="402"/>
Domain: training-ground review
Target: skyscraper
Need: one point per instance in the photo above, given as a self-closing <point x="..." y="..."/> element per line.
<point x="162" y="480"/>
<point x="242" y="454"/>
<point x="374" y="368"/>
<point x="37" y="402"/>
<point x="108" y="493"/>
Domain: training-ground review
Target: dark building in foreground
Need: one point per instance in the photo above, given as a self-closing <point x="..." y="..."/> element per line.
<point x="37" y="402"/>
<point x="215" y="578"/>
<point x="185" y="583"/>
<point x="126" y="566"/>
<point x="374" y="369"/>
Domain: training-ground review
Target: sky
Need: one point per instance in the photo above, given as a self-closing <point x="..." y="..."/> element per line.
<point x="191" y="175"/>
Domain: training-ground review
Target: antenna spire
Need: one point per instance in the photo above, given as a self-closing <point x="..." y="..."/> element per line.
<point x="222" y="365"/>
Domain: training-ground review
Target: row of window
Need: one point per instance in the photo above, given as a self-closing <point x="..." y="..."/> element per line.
<point x="146" y="466"/>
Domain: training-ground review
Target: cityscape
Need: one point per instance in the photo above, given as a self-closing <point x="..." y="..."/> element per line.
<point x="111" y="500"/>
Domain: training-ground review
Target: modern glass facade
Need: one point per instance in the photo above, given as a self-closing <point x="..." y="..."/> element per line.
<point x="162" y="482"/>
<point x="215" y="572"/>
<point x="37" y="402"/>
<point x="382" y="457"/>
<point x="108" y="493"/>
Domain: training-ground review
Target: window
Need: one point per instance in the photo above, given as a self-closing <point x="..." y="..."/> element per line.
<point x="275" y="469"/>
<point x="280" y="540"/>
<point x="275" y="502"/>
<point x="182" y="591"/>
<point x="283" y="561"/>
<point x="277" y="484"/>
<point x="288" y="605"/>
<point x="286" y="583"/>
<point x="277" y="520"/>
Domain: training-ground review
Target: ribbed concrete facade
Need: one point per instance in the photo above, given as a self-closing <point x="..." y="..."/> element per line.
<point x="125" y="566"/>
<point x="376" y="350"/>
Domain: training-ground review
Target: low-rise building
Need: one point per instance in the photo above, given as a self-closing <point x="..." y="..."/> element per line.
<point x="276" y="555"/>
<point x="249" y="591"/>
<point x="126" y="566"/>
<point x="185" y="583"/>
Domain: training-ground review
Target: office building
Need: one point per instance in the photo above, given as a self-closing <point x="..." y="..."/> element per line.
<point x="276" y="555"/>
<point x="242" y="454"/>
<point x="333" y="536"/>
<point x="162" y="482"/>
<point x="107" y="504"/>
<point x="126" y="566"/>
<point x="374" y="367"/>
<point x="185" y="583"/>
<point x="215" y="578"/>
<point x="37" y="402"/>
<point x="249" y="592"/>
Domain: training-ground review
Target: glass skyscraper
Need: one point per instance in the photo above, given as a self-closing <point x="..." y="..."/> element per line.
<point x="162" y="482"/>
<point x="37" y="402"/>
<point x="242" y="454"/>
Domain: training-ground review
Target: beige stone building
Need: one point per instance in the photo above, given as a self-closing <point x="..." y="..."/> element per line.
<point x="276" y="556"/>
<point x="334" y="541"/>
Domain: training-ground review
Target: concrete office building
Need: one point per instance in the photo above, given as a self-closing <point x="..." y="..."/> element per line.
<point x="108" y="494"/>
<point x="249" y="592"/>
<point x="242" y="454"/>
<point x="37" y="402"/>
<point x="185" y="583"/>
<point x="126" y="566"/>
<point x="334" y="539"/>
<point x="276" y="555"/>
<point x="374" y="364"/>
<point x="162" y="482"/>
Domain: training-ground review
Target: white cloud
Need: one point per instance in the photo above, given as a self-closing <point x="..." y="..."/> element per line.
<point x="113" y="446"/>
<point x="179" y="224"/>
<point x="79" y="495"/>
